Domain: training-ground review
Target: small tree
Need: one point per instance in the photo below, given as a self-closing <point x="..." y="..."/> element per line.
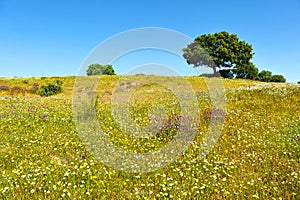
<point x="247" y="71"/>
<point x="278" y="78"/>
<point x="108" y="70"/>
<point x="97" y="69"/>
<point x="94" y="69"/>
<point x="265" y="76"/>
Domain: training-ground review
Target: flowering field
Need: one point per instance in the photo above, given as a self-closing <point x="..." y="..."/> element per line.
<point x="257" y="155"/>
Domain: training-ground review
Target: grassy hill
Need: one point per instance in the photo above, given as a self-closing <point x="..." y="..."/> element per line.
<point x="107" y="84"/>
<point x="256" y="156"/>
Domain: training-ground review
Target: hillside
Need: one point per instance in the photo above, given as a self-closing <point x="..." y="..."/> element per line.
<point x="107" y="83"/>
<point x="44" y="155"/>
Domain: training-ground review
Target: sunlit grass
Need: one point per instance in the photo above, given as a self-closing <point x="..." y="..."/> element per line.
<point x="257" y="155"/>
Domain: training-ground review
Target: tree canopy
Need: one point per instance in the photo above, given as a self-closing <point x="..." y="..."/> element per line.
<point x="265" y="76"/>
<point x="248" y="71"/>
<point x="278" y="78"/>
<point x="97" y="69"/>
<point x="224" y="51"/>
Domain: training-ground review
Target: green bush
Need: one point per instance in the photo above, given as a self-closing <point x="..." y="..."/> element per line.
<point x="278" y="78"/>
<point x="51" y="89"/>
<point x="97" y="69"/>
<point x="58" y="82"/>
<point x="265" y="76"/>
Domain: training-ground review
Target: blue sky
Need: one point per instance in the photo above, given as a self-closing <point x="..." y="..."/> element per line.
<point x="45" y="38"/>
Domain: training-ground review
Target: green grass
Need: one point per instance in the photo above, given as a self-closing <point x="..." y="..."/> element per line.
<point x="256" y="156"/>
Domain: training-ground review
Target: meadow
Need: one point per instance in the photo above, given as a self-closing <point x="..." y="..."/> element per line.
<point x="257" y="155"/>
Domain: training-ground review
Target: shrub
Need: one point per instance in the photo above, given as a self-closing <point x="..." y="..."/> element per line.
<point x="108" y="70"/>
<point x="17" y="90"/>
<point x="26" y="81"/>
<point x="208" y="113"/>
<point x="278" y="78"/>
<point x="207" y="75"/>
<point x="58" y="82"/>
<point x="51" y="89"/>
<point x="97" y="69"/>
<point x="226" y="73"/>
<point x="4" y="88"/>
<point x="265" y="76"/>
<point x="34" y="88"/>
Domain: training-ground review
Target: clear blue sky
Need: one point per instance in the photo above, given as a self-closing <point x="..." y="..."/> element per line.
<point x="44" y="38"/>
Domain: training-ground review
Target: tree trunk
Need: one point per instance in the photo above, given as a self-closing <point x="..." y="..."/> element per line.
<point x="215" y="70"/>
